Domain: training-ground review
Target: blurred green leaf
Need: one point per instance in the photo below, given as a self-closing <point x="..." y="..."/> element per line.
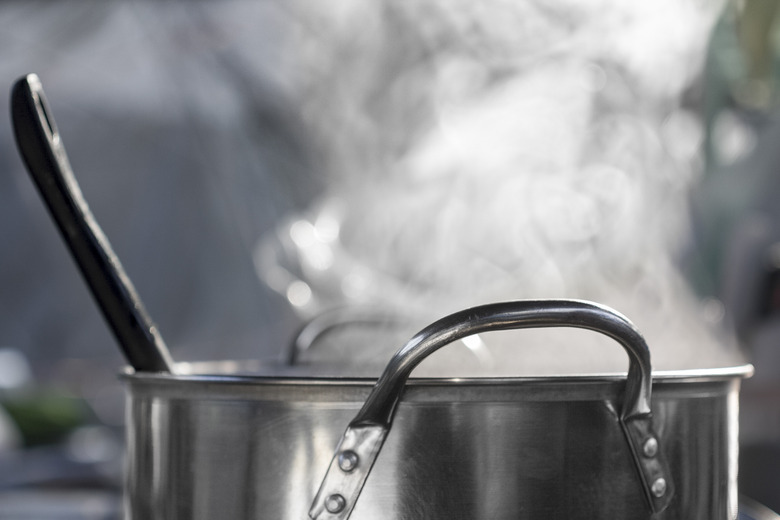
<point x="45" y="416"/>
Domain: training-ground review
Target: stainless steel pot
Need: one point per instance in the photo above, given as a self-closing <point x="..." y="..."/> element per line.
<point x="213" y="443"/>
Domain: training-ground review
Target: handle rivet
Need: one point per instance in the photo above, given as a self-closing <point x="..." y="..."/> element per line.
<point x="348" y="460"/>
<point x="659" y="487"/>
<point x="650" y="448"/>
<point x="335" y="503"/>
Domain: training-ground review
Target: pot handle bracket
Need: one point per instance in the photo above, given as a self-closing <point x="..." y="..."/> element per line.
<point x="650" y="461"/>
<point x="363" y="439"/>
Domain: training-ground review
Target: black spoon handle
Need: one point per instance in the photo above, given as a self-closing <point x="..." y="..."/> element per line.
<point x="44" y="154"/>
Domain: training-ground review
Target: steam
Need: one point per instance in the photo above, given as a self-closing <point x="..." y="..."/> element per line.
<point x="503" y="150"/>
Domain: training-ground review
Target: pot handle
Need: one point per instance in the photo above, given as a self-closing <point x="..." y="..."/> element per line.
<point x="364" y="436"/>
<point x="317" y="327"/>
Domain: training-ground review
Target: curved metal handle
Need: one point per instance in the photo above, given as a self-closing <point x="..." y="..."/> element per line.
<point x="332" y="319"/>
<point x="363" y="439"/>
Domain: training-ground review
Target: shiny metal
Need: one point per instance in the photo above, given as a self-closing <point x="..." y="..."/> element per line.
<point x="659" y="487"/>
<point x="751" y="510"/>
<point x="634" y="416"/>
<point x="650" y="447"/>
<point x="332" y="319"/>
<point x="221" y="445"/>
<point x="365" y="441"/>
<point x="335" y="504"/>
<point x="348" y="460"/>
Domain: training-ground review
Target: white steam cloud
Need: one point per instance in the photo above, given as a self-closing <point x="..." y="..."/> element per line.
<point x="485" y="151"/>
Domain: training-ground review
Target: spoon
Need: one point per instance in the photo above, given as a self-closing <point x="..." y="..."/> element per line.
<point x="44" y="155"/>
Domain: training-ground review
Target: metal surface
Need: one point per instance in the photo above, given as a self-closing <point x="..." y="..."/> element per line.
<point x="240" y="448"/>
<point x="220" y="445"/>
<point x="44" y="154"/>
<point x="749" y="509"/>
<point x="367" y="431"/>
<point x="333" y="319"/>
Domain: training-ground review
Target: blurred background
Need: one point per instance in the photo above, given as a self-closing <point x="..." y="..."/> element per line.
<point x="255" y="164"/>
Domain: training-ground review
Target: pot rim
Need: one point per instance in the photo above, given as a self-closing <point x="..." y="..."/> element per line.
<point x="232" y="372"/>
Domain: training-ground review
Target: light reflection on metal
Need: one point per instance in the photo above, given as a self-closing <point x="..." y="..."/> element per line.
<point x="366" y="433"/>
<point x="732" y="462"/>
<point x="481" y="351"/>
<point x="194" y="430"/>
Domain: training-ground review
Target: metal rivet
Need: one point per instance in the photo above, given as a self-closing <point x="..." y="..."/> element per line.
<point x="335" y="503"/>
<point x="659" y="487"/>
<point x="348" y="460"/>
<point x="650" y="448"/>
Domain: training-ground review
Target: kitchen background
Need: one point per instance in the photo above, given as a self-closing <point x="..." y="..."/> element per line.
<point x="255" y="163"/>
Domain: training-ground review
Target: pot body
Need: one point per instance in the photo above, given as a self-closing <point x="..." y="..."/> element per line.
<point x="204" y="447"/>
